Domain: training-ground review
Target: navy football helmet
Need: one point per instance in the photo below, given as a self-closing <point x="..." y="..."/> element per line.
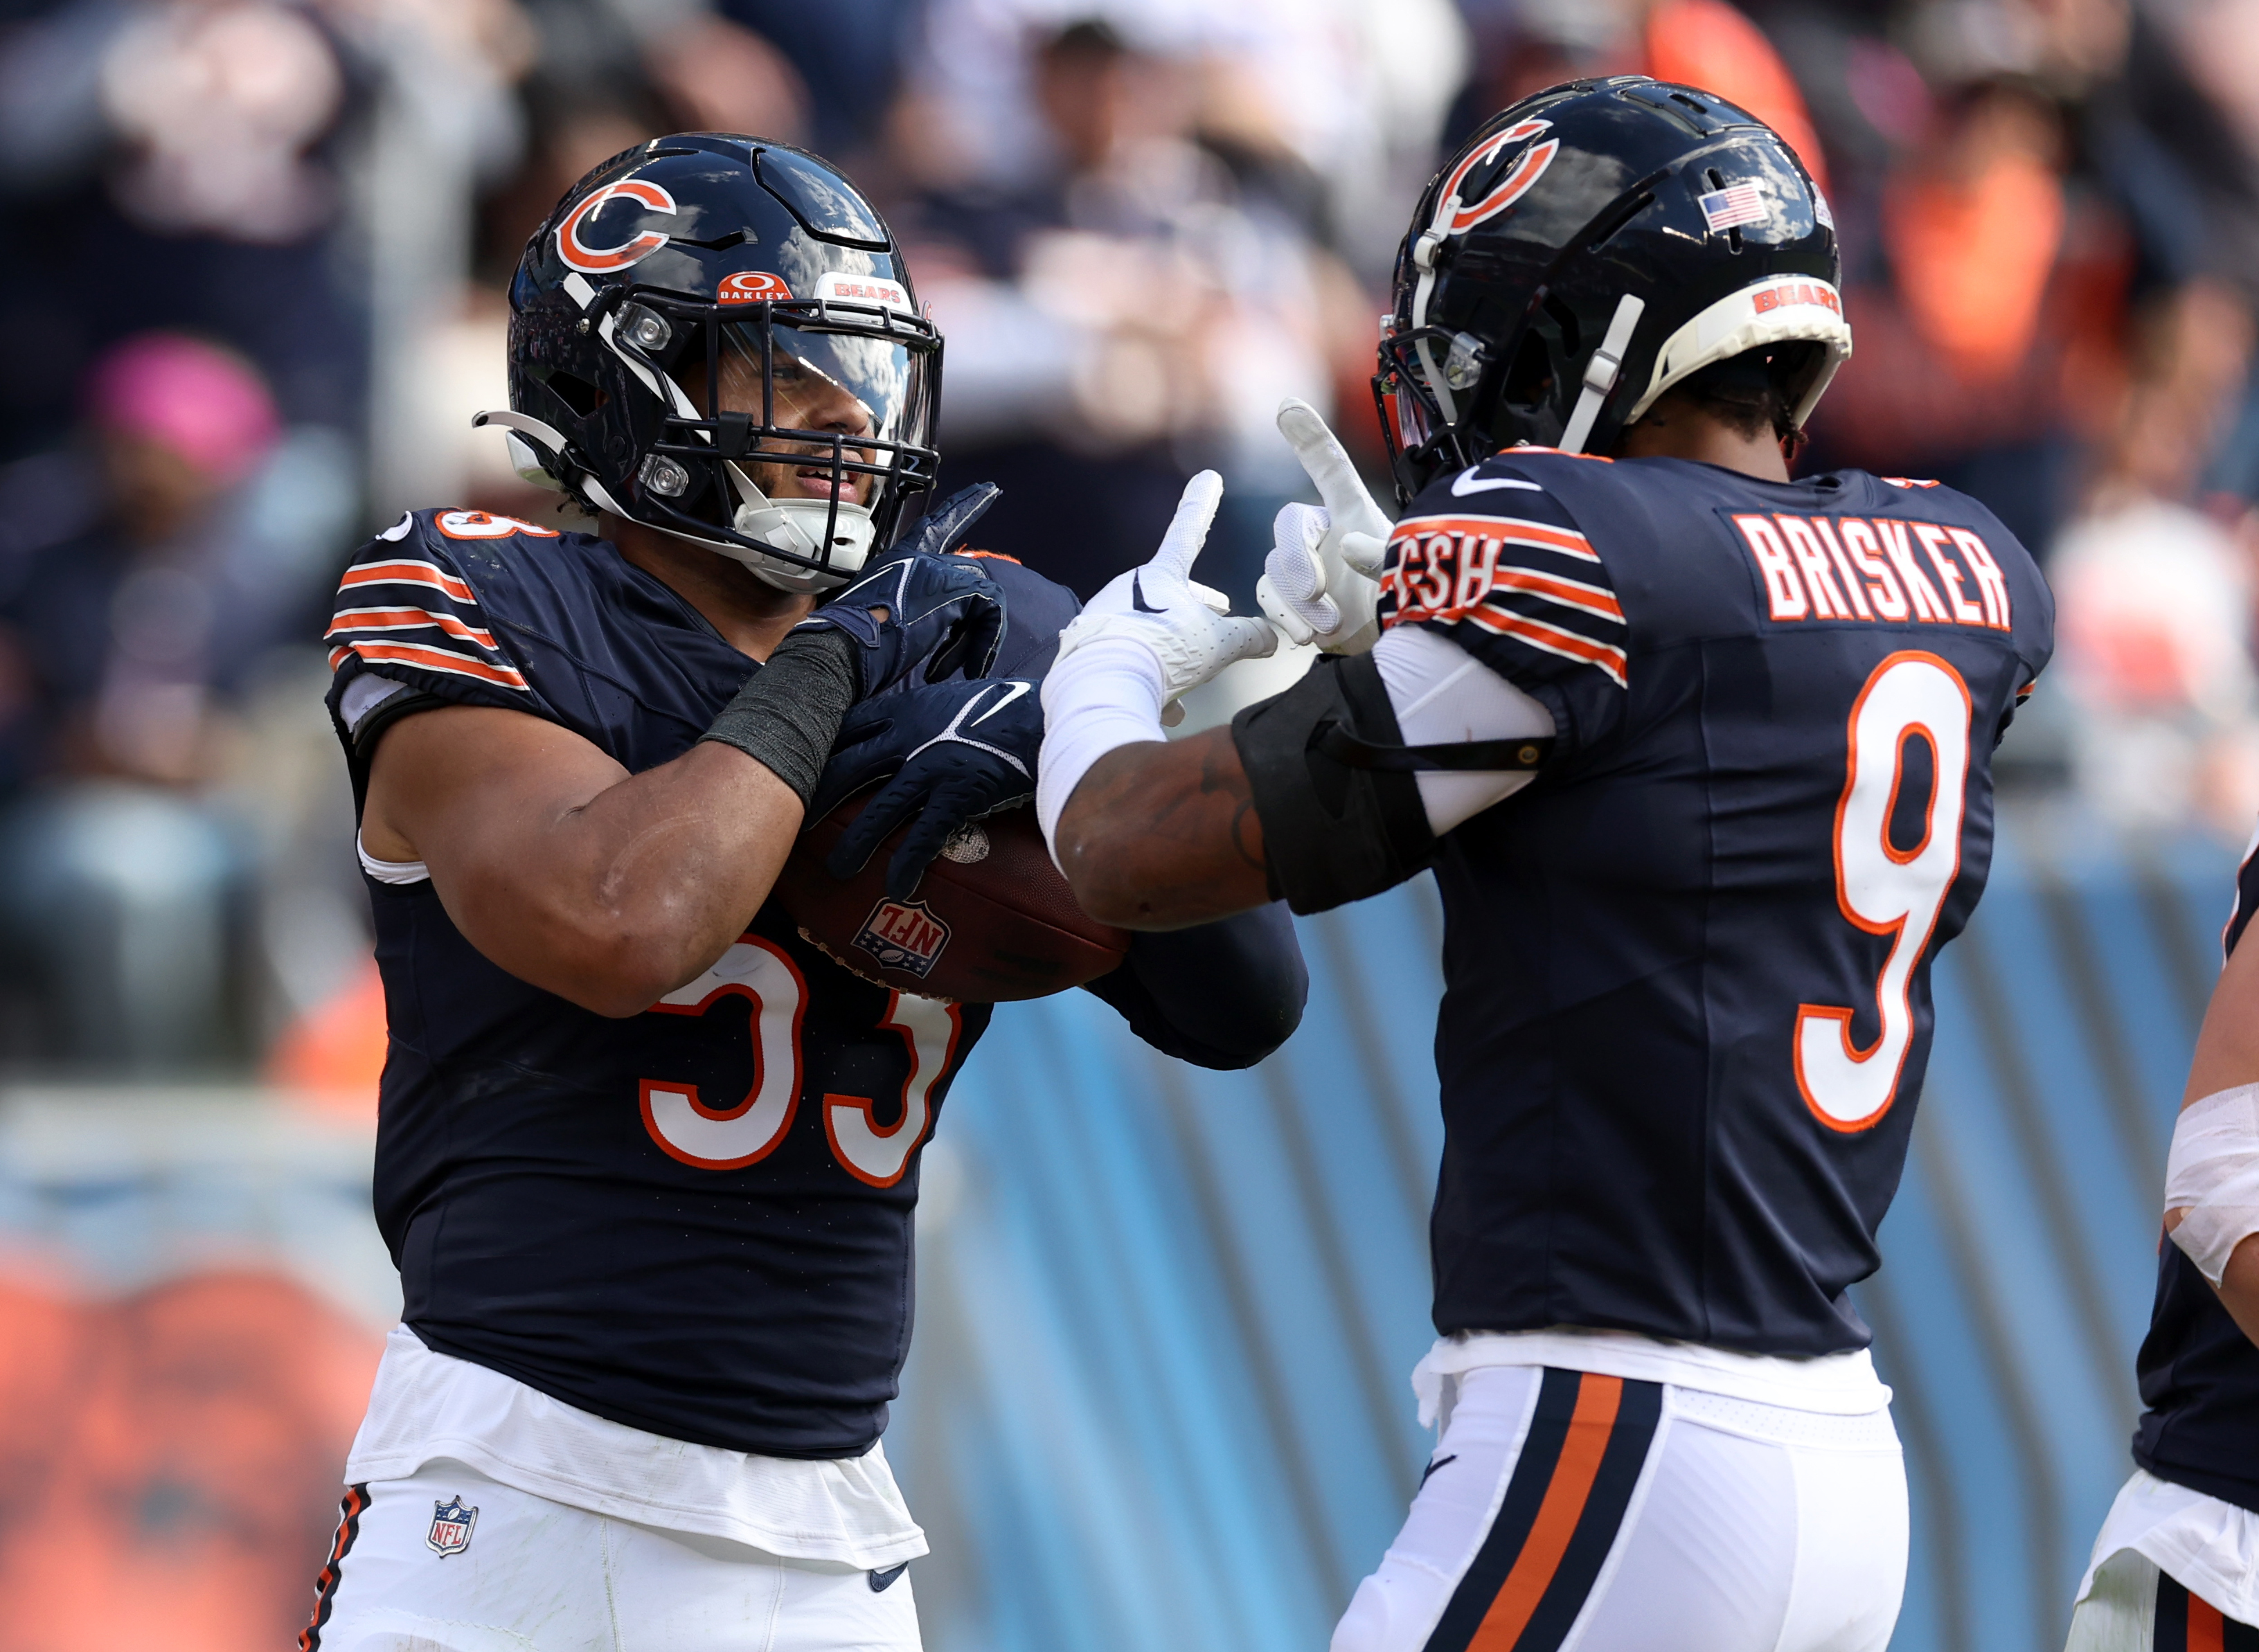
<point x="1585" y="251"/>
<point x="715" y="336"/>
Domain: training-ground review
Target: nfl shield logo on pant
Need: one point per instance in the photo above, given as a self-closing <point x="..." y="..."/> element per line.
<point x="451" y="1527"/>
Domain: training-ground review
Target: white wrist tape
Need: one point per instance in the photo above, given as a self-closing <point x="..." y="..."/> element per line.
<point x="2213" y="1171"/>
<point x="1106" y="694"/>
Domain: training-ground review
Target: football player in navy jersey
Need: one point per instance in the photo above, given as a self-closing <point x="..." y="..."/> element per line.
<point x="646" y="1156"/>
<point x="1701" y="757"/>
<point x="2176" y="1567"/>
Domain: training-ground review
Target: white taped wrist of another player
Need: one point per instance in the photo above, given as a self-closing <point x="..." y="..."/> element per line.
<point x="1443" y="695"/>
<point x="2213" y="1173"/>
<point x="1106" y="694"/>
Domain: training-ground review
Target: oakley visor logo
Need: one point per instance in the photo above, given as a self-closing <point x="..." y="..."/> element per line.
<point x="752" y="287"/>
<point x="602" y="260"/>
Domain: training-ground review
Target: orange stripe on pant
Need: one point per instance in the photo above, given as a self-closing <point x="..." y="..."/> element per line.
<point x="1589" y="1425"/>
<point x="2207" y="1630"/>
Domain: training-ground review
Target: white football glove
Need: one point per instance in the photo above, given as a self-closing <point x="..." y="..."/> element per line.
<point x="1320" y="582"/>
<point x="1186" y="625"/>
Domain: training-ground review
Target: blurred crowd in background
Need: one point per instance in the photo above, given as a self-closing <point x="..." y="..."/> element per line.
<point x="262" y="247"/>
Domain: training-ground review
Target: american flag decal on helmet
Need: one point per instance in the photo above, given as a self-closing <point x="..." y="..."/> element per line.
<point x="1735" y="205"/>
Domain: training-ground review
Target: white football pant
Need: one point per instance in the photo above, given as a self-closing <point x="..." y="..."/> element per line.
<point x="529" y="1575"/>
<point x="1565" y="1509"/>
<point x="2134" y="1606"/>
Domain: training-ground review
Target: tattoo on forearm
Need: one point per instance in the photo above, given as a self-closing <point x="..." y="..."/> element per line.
<point x="1229" y="781"/>
<point x="1169" y="831"/>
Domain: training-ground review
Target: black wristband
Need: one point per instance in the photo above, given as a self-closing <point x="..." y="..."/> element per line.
<point x="789" y="711"/>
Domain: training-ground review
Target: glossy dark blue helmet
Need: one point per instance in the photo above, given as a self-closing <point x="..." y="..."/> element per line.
<point x="715" y="336"/>
<point x="1586" y="250"/>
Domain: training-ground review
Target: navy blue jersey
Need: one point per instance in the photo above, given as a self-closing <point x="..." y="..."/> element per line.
<point x="1687" y="1006"/>
<point x="696" y="1220"/>
<point x="2199" y="1372"/>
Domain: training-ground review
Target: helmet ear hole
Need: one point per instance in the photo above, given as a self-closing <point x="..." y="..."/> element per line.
<point x="576" y="393"/>
<point x="1530" y="381"/>
<point x="1572" y="340"/>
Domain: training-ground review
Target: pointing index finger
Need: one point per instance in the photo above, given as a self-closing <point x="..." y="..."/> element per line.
<point x="1323" y="456"/>
<point x="1188" y="529"/>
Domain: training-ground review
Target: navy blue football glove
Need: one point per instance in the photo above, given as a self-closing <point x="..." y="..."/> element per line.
<point x="943" y="615"/>
<point x="956" y="750"/>
<point x="942" y="529"/>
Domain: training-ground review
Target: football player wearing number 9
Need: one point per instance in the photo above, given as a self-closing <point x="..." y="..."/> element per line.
<point x="647" y="1158"/>
<point x="1701" y="759"/>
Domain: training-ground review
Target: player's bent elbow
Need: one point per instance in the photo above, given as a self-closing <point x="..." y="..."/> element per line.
<point x="1244" y="1050"/>
<point x="614" y="975"/>
<point x="1119" y="908"/>
<point x="615" y="996"/>
<point x="615" y="1004"/>
<point x="640" y="976"/>
<point x="1115" y="884"/>
<point x="1094" y="865"/>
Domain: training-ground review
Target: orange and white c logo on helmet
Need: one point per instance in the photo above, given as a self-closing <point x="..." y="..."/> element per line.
<point x="602" y="260"/>
<point x="1453" y="218"/>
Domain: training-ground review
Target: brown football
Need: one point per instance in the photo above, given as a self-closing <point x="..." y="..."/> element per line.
<point x="991" y="919"/>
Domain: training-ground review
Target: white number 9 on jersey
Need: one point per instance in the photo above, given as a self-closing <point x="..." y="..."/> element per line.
<point x="1881" y="888"/>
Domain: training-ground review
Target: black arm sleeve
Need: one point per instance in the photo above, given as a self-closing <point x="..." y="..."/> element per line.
<point x="1335" y="788"/>
<point x="1221" y="995"/>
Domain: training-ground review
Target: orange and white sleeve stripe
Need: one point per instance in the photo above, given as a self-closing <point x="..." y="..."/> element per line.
<point x="1536" y="583"/>
<point x="407" y="612"/>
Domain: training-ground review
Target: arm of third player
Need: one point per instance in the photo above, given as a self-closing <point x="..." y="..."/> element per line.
<point x="2226" y="1056"/>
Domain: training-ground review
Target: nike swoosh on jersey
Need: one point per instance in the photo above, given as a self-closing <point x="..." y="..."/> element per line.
<point x="1467" y="482"/>
<point x="881" y="1579"/>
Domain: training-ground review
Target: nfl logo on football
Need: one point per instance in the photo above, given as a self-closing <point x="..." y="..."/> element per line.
<point x="904" y="935"/>
<point x="451" y="1527"/>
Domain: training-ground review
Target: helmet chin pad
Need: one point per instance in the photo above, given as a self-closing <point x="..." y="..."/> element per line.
<point x="799" y="525"/>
